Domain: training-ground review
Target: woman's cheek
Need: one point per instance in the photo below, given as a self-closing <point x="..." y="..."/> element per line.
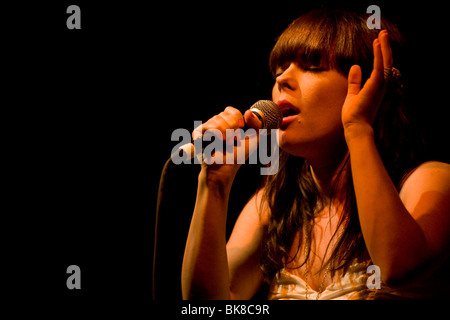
<point x="275" y="93"/>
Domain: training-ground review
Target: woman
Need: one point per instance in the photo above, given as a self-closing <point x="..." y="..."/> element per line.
<point x="350" y="190"/>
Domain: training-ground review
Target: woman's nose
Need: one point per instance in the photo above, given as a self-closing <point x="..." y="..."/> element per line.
<point x="286" y="80"/>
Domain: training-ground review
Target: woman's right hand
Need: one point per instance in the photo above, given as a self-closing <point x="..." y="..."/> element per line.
<point x="220" y="168"/>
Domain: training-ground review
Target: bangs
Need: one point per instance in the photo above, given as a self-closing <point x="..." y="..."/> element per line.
<point x="331" y="39"/>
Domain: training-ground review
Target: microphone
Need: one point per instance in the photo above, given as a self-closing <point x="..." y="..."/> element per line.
<point x="267" y="111"/>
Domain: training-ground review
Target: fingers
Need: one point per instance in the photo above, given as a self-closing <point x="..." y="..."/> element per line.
<point x="382" y="63"/>
<point x="354" y="80"/>
<point x="386" y="50"/>
<point x="378" y="67"/>
<point x="224" y="127"/>
<point x="251" y="120"/>
<point x="367" y="100"/>
<point x="230" y="118"/>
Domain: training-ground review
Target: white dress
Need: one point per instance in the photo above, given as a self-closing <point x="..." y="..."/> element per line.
<point x="353" y="286"/>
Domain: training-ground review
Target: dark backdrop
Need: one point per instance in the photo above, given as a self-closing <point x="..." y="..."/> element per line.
<point x="94" y="109"/>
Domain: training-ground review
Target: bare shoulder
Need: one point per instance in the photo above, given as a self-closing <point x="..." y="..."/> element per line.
<point x="429" y="176"/>
<point x="425" y="194"/>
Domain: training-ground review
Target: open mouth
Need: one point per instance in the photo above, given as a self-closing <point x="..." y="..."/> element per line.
<point x="289" y="112"/>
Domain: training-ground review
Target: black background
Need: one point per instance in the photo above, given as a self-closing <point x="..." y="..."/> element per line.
<point x="89" y="117"/>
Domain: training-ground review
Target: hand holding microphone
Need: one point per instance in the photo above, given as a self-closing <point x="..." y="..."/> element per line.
<point x="264" y="114"/>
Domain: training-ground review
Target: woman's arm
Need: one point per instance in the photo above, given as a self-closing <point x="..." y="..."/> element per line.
<point x="211" y="268"/>
<point x="205" y="272"/>
<point x="402" y="232"/>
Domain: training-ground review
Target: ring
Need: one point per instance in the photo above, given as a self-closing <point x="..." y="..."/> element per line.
<point x="392" y="73"/>
<point x="395" y="73"/>
<point x="388" y="73"/>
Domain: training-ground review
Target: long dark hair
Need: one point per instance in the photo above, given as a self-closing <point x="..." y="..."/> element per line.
<point x="336" y="39"/>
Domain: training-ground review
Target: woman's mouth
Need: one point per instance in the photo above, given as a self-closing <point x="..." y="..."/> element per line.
<point x="289" y="113"/>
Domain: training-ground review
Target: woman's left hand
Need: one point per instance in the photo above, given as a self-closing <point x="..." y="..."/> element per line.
<point x="361" y="105"/>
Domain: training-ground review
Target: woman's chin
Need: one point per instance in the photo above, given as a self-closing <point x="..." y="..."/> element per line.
<point x="290" y="145"/>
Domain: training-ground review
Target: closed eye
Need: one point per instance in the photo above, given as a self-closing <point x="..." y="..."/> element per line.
<point x="279" y="72"/>
<point x="277" y="75"/>
<point x="315" y="69"/>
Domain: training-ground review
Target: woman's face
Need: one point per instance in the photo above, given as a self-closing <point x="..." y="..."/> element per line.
<point x="311" y="100"/>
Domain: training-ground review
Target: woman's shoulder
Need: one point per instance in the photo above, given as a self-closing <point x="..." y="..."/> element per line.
<point x="434" y="165"/>
<point x="426" y="190"/>
<point x="430" y="174"/>
<point x="425" y="194"/>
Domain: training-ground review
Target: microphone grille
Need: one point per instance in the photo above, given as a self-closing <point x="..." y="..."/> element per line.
<point x="272" y="116"/>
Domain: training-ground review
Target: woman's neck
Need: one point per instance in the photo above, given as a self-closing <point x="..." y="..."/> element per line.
<point x="329" y="177"/>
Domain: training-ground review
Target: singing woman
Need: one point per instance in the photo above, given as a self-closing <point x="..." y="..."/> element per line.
<point x="351" y="190"/>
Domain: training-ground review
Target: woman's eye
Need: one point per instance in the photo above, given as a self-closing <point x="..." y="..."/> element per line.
<point x="315" y="69"/>
<point x="278" y="73"/>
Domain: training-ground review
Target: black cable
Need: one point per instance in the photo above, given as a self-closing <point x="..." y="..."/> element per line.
<point x="159" y="208"/>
